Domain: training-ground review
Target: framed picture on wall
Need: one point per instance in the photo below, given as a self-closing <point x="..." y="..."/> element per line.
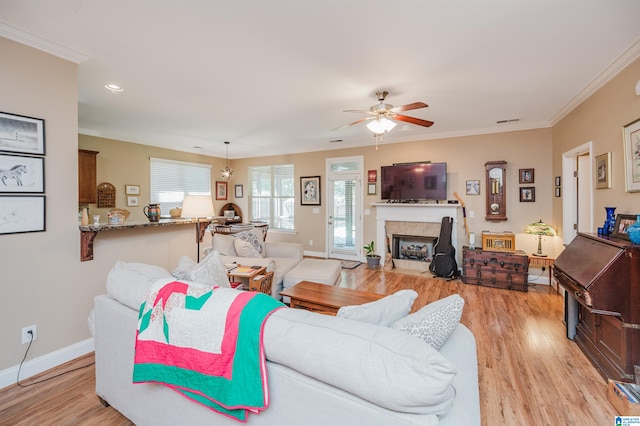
<point x="132" y="189"/>
<point x="473" y="187"/>
<point x="632" y="156"/>
<point x="238" y="189"/>
<point x="26" y="214"/>
<point x="310" y="190"/>
<point x="527" y="176"/>
<point x="23" y="134"/>
<point x="21" y="174"/>
<point x="527" y="194"/>
<point x="603" y="171"/>
<point x="221" y="190"/>
<point x="371" y="188"/>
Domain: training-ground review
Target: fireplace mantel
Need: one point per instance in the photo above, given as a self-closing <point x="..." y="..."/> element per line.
<point x="412" y="212"/>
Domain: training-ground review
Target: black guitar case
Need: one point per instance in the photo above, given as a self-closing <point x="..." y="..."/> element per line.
<point x="444" y="259"/>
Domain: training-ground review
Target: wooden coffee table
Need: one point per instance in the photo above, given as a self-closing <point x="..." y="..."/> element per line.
<point x="326" y="299"/>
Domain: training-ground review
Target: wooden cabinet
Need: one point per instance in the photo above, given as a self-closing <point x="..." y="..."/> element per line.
<point x="87" y="176"/>
<point x="495" y="269"/>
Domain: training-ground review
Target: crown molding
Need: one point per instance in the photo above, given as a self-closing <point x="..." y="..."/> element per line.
<point x="627" y="57"/>
<point x="24" y="37"/>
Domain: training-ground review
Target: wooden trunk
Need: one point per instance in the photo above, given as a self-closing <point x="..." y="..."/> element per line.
<point x="495" y="269"/>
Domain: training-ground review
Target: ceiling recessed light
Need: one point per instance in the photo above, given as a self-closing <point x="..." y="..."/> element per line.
<point x="113" y="88"/>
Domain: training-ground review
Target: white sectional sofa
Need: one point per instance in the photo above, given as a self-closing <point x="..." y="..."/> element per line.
<point x="322" y="370"/>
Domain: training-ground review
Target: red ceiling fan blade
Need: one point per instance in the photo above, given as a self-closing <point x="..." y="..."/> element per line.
<point x="355" y="122"/>
<point x="413" y="120"/>
<point x="415" y="105"/>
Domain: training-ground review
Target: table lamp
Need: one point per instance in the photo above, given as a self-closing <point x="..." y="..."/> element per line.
<point x="197" y="207"/>
<point x="540" y="228"/>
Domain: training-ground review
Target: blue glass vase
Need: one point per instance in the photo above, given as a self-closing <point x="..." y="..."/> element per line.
<point x="633" y="231"/>
<point x="610" y="221"/>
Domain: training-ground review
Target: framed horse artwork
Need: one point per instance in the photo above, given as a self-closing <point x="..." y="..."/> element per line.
<point x="21" y="174"/>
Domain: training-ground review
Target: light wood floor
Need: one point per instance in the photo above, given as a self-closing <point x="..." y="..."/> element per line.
<point x="529" y="373"/>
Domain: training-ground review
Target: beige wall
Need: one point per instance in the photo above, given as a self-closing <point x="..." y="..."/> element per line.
<point x="600" y="120"/>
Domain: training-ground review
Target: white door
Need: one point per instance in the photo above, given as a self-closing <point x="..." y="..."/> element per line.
<point x="344" y="208"/>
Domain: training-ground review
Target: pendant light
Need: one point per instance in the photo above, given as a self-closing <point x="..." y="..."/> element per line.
<point x="226" y="173"/>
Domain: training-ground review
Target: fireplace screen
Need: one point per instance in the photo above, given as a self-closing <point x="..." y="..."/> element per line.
<point x="413" y="247"/>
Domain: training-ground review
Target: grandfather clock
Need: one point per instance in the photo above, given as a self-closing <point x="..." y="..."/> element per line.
<point x="496" y="190"/>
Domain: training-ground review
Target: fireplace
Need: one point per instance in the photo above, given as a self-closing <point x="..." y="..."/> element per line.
<point x="412" y="247"/>
<point x="419" y="221"/>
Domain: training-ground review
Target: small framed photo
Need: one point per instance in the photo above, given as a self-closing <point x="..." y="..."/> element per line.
<point x="371" y="188"/>
<point x="603" y="171"/>
<point x="310" y="190"/>
<point x="527" y="194"/>
<point x="239" y="192"/>
<point x="372" y="176"/>
<point x="221" y="190"/>
<point x="527" y="176"/>
<point x="21" y="174"/>
<point x="22" y="214"/>
<point x="623" y="221"/>
<point x="132" y="201"/>
<point x="473" y="187"/>
<point x="132" y="189"/>
<point x="558" y="180"/>
<point x="558" y="191"/>
<point x="22" y="134"/>
<point x="632" y="156"/>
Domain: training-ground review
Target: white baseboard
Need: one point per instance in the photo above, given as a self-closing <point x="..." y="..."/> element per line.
<point x="45" y="362"/>
<point x="315" y="254"/>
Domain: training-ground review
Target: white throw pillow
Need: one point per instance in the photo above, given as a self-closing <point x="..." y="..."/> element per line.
<point x="435" y="322"/>
<point x="381" y="312"/>
<point x="185" y="265"/>
<point x="210" y="271"/>
<point x="224" y="244"/>
<point x="249" y="242"/>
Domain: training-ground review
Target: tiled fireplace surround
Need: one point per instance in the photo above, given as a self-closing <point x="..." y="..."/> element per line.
<point x="422" y="220"/>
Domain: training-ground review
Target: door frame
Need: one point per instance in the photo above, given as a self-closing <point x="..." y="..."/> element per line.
<point x="570" y="191"/>
<point x="359" y="208"/>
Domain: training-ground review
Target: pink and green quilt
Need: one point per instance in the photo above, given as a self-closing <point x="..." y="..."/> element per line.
<point x="205" y="343"/>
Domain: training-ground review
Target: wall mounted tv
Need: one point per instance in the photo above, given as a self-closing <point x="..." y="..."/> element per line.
<point x="414" y="182"/>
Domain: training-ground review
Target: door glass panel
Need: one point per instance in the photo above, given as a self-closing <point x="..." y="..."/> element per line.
<point x="343" y="215"/>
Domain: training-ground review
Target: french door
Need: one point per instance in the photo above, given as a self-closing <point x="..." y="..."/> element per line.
<point x="344" y="208"/>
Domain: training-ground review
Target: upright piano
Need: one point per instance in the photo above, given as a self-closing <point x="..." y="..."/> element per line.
<point x="602" y="309"/>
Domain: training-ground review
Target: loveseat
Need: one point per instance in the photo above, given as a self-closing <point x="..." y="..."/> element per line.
<point x="321" y="370"/>
<point x="279" y="257"/>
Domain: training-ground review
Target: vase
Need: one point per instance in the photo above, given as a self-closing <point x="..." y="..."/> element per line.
<point x="610" y="221"/>
<point x="633" y="231"/>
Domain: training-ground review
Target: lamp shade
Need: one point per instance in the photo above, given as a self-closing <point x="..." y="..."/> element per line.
<point x="195" y="206"/>
<point x="540" y="228"/>
<point x="381" y="125"/>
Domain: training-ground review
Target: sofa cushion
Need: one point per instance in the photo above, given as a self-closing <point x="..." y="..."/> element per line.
<point x="129" y="282"/>
<point x="185" y="265"/>
<point x="435" y="322"/>
<point x="381" y="312"/>
<point x="245" y="248"/>
<point x="210" y="271"/>
<point x="379" y="364"/>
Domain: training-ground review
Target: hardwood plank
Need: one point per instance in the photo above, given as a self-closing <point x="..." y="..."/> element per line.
<point x="529" y="372"/>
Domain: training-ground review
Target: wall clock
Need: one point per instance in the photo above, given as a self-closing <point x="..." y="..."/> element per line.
<point x="496" y="190"/>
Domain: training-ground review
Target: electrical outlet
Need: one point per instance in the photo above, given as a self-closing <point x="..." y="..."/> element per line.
<point x="310" y="242"/>
<point x="26" y="337"/>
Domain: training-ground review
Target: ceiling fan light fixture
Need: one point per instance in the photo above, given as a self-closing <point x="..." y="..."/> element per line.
<point x="227" y="172"/>
<point x="381" y="125"/>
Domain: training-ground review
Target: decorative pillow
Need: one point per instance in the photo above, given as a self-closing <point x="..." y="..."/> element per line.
<point x="435" y="322"/>
<point x="224" y="244"/>
<point x="210" y="271"/>
<point x="253" y="244"/>
<point x="381" y="312"/>
<point x="185" y="265"/>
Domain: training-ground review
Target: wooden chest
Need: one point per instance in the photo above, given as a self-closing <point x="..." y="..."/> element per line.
<point x="495" y="269"/>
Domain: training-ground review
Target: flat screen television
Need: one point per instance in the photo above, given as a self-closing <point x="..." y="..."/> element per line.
<point x="414" y="182"/>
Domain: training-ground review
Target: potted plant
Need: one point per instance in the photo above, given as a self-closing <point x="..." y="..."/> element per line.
<point x="373" y="260"/>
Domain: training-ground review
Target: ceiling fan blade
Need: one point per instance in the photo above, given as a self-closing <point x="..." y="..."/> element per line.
<point x="363" y="111"/>
<point x="355" y="122"/>
<point x="408" y="107"/>
<point x="413" y="120"/>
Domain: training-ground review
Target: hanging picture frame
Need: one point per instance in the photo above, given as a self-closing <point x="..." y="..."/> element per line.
<point x="371" y="188"/>
<point x="239" y="191"/>
<point x="21" y="174"/>
<point x="527" y="194"/>
<point x="19" y="133"/>
<point x="221" y="190"/>
<point x="603" y="171"/>
<point x="631" y="134"/>
<point x="21" y="214"/>
<point x="310" y="190"/>
<point x="527" y="176"/>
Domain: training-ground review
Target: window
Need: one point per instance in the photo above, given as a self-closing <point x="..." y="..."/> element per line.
<point x="271" y="196"/>
<point x="172" y="180"/>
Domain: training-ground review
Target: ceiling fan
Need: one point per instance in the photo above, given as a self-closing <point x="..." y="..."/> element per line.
<point x="381" y="114"/>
